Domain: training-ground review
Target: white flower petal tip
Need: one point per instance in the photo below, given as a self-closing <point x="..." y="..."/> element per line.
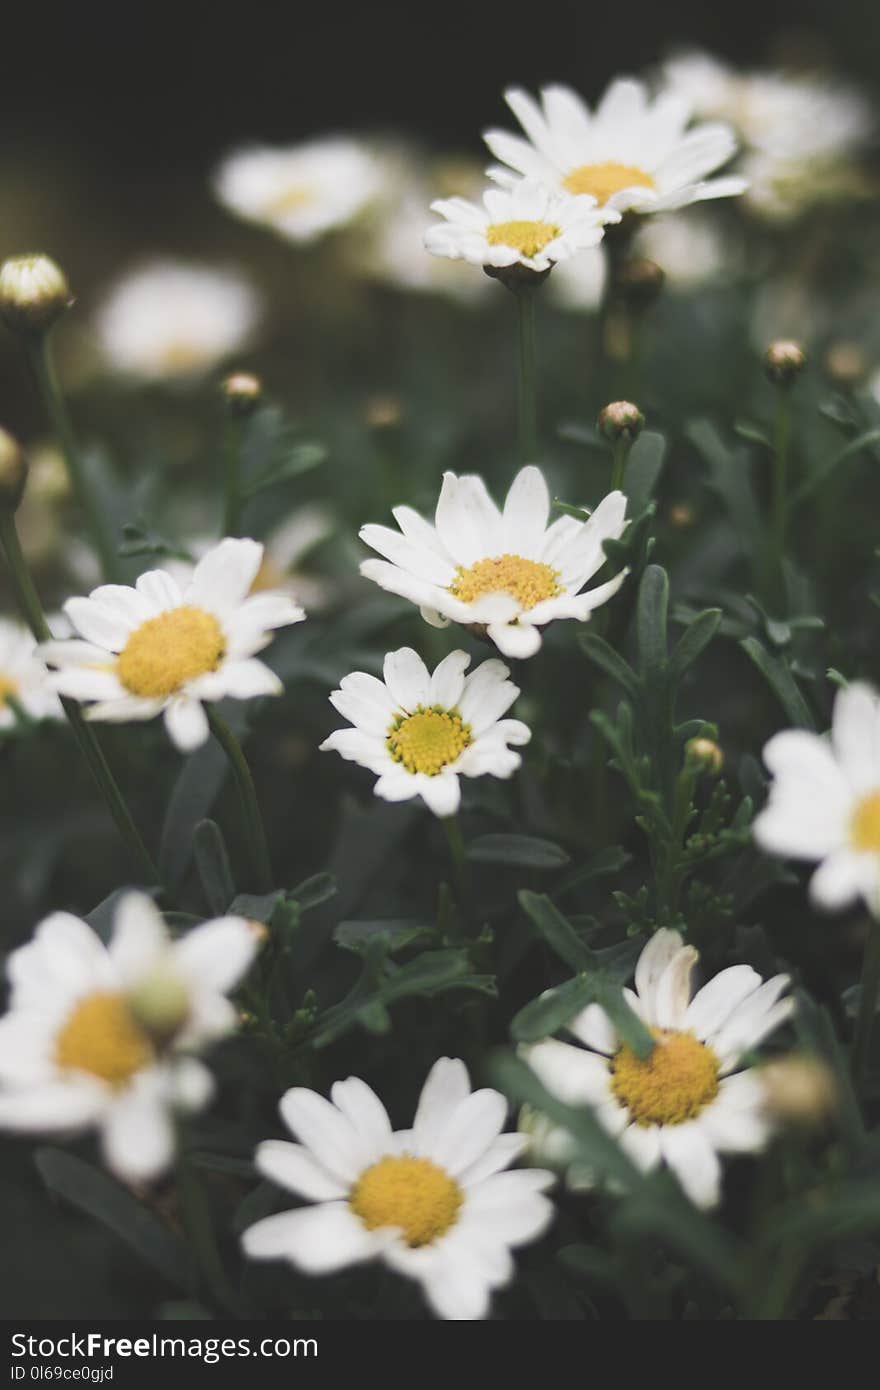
<point x="434" y="1202"/>
<point x="507" y="570"/>
<point x="24" y="679"/>
<point x="164" y="647"/>
<point x="418" y="732"/>
<point x="681" y="1106"/>
<point x="102" y="1036"/>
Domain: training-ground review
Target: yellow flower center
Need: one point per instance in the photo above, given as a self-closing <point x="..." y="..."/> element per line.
<point x="864" y="827"/>
<point x="181" y="355"/>
<point x="289" y="199"/>
<point x="167" y="651"/>
<point x="674" y="1084"/>
<point x="528" y="581"/>
<point x="428" y="740"/>
<point x="412" y="1193"/>
<point x="605" y="179"/>
<point x="526" y="237"/>
<point x="8" y="687"/>
<point x="101" y="1037"/>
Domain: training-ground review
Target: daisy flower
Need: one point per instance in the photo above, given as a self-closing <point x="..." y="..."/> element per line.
<point x="824" y="802"/>
<point x="301" y="192"/>
<point x="24" y="680"/>
<point x="163" y="648"/>
<point x="506" y="572"/>
<point x="100" y="1036"/>
<point x="528" y="225"/>
<point x="420" y="732"/>
<point x="682" y="1105"/>
<point x="433" y="1202"/>
<point x="635" y="154"/>
<point x="170" y="319"/>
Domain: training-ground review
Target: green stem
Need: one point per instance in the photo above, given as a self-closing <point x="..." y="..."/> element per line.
<point x="32" y="611"/>
<point x="868" y="992"/>
<point x="253" y="820"/>
<point x="40" y="358"/>
<point x="620" y="454"/>
<point x="197" y="1220"/>
<point x="779" y="498"/>
<point x="232" y="498"/>
<point x="460" y="868"/>
<point x="528" y="407"/>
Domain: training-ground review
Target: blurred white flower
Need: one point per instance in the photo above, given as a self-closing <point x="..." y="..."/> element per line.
<point x="169" y="319"/>
<point x="24" y="680"/>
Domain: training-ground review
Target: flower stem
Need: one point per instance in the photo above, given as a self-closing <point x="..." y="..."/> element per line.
<point x="197" y="1220"/>
<point x="868" y="993"/>
<point x="620" y="454"/>
<point x="527" y="399"/>
<point x="41" y="362"/>
<point x="253" y="820"/>
<point x="779" y="498"/>
<point x="460" y="868"/>
<point x="32" y="611"/>
<point x="232" y="498"/>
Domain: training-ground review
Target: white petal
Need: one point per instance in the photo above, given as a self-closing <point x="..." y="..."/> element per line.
<point x="593" y="1026"/>
<point x="223" y="578"/>
<point x="468" y="521"/>
<point x="294" y="1167"/>
<point x="855" y="734"/>
<point x="363" y="1108"/>
<point x="447" y="1086"/>
<point x="662" y="948"/>
<point x="673" y="991"/>
<point x="472" y="1127"/>
<point x="573" y="1075"/>
<point x="526" y="512"/>
<point x="714" y="1003"/>
<point x="217" y="954"/>
<point x="448" y="680"/>
<point x="187" y="723"/>
<point x="693" y="1160"/>
<point x="499" y="1155"/>
<point x="519" y="640"/>
<point x="317" y="1239"/>
<point x="138" y="1136"/>
<point x="642" y="1144"/>
<point x="140" y="938"/>
<point x="441" y="794"/>
<point x="407" y="678"/>
<point x="55" y="1106"/>
<point x="330" y="1135"/>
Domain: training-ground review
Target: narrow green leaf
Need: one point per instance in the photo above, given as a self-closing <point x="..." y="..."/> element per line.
<point x="643" y="469"/>
<point x="628" y="1024"/>
<point x="696" y="638"/>
<point x="781" y="682"/>
<point x="557" y="931"/>
<point x="855" y="446"/>
<point x="651" y="614"/>
<point x="212" y="862"/>
<point x="314" y="891"/>
<point x="523" y="851"/>
<point x="603" y="655"/>
<point x="197" y="787"/>
<point x="542" y="1017"/>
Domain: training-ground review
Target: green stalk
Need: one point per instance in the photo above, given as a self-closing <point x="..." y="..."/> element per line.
<point x="779" y="494"/>
<point x="232" y="498"/>
<point x="197" y="1220"/>
<point x="460" y="868"/>
<point x="255" y="832"/>
<point x="868" y="992"/>
<point x="40" y="359"/>
<point x="32" y="611"/>
<point x="527" y="398"/>
<point x="620" y="454"/>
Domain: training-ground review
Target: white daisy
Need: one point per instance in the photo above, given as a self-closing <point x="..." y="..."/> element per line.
<point x="824" y="802"/>
<point x="24" y="680"/>
<point x="100" y="1036"/>
<point x="304" y="191"/>
<point x="160" y="648"/>
<point x="635" y="154"/>
<point x="507" y="572"/>
<point x="433" y="1202"/>
<point x="170" y="319"/>
<point x="420" y="732"/>
<point x="527" y="225"/>
<point x="681" y="1106"/>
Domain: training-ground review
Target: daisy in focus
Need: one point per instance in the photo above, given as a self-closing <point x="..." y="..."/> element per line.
<point x="824" y="801"/>
<point x="100" y="1036"/>
<point x="24" y="680"/>
<point x="163" y="648"/>
<point x="432" y="1202"/>
<point x="685" y="1103"/>
<point x="170" y="319"/>
<point x="635" y="154"/>
<point x="505" y="571"/>
<point x="419" y="732"/>
<point x="304" y="191"/>
<point x="528" y="225"/>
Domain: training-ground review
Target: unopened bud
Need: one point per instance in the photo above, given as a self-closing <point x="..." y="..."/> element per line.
<point x="33" y="292"/>
<point x="159" y="1004"/>
<point x="639" y="281"/>
<point x="383" y="412"/>
<point x="243" y="392"/>
<point x="13" y="472"/>
<point x="705" y="754"/>
<point x="682" y="516"/>
<point x="799" y="1090"/>
<point x="621" y="420"/>
<point x="784" y="361"/>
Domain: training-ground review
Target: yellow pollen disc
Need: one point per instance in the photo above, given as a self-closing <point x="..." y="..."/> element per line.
<point x="528" y="581"/>
<point x="7" y="687"/>
<point x="428" y="740"/>
<point x="605" y="179"/>
<point x="864" y="828"/>
<point x="526" y="237"/>
<point x="674" y="1084"/>
<point x="181" y="355"/>
<point x="289" y="200"/>
<point x="101" y="1037"/>
<point x="167" y="651"/>
<point x="413" y="1194"/>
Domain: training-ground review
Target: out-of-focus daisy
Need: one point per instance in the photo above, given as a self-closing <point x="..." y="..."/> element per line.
<point x="24" y="680"/>
<point x="170" y="319"/>
<point x="304" y="191"/>
<point x="158" y="648"/>
<point x="824" y="803"/>
<point x="101" y="1036"/>
<point x="507" y="572"/>
<point x="420" y="732"/>
<point x="528" y="225"/>
<point x="284" y="549"/>
<point x="433" y="1201"/>
<point x="685" y="1103"/>
<point x="635" y="154"/>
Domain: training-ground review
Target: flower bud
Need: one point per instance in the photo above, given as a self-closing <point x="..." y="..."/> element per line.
<point x="682" y="516"/>
<point x="704" y="754"/>
<point x="639" y="281"/>
<point x="159" y="1004"/>
<point x="13" y="472"/>
<point x="33" y="292"/>
<point x="621" y="420"/>
<point x="783" y="362"/>
<point x="243" y="392"/>
<point x="799" y="1090"/>
<point x="383" y="412"/>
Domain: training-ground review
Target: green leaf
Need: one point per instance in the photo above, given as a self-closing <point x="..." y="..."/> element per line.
<point x="643" y="469"/>
<point x="523" y="851"/>
<point x="314" y="892"/>
<point x="105" y="1200"/>
<point x="197" y="787"/>
<point x="212" y="862"/>
<point x="557" y="931"/>
<point x="257" y="907"/>
<point x="729" y="479"/>
<point x="542" y="1017"/>
<point x="628" y="1025"/>
<point x="610" y="661"/>
<point x="651" y="611"/>
<point x="579" y="513"/>
<point x="781" y="682"/>
<point x="694" y="641"/>
<point x="753" y="434"/>
<point x="302" y="459"/>
<point x="397" y="932"/>
<point x="855" y="446"/>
